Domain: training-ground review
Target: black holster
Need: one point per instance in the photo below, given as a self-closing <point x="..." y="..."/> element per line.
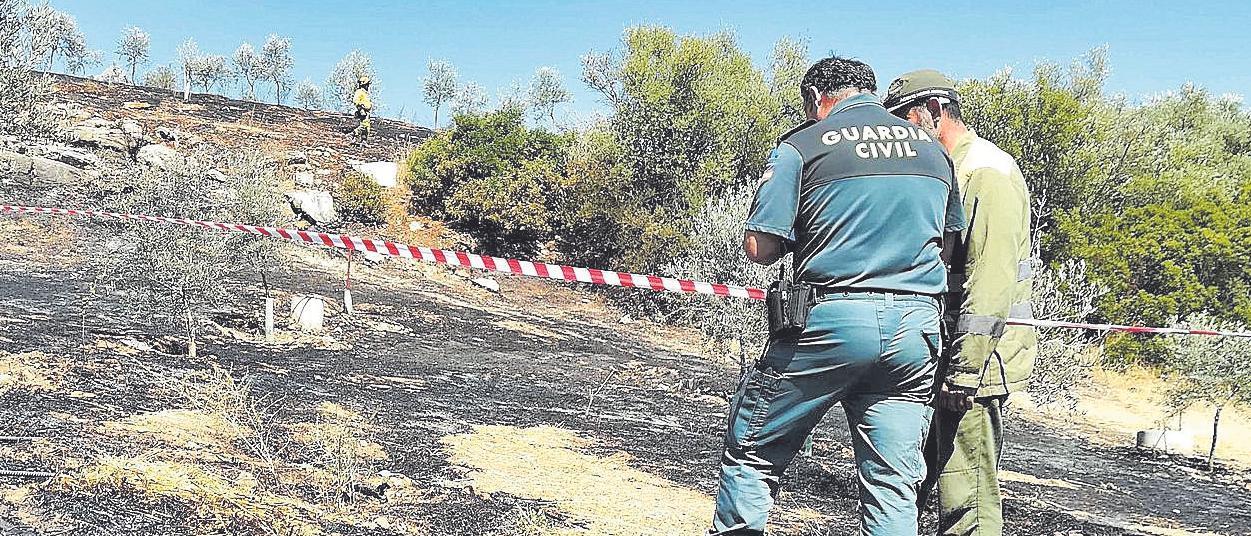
<point x="788" y="304"/>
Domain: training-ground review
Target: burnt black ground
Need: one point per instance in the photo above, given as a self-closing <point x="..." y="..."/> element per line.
<point x="476" y="372"/>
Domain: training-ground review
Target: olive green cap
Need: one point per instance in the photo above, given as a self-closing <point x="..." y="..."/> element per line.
<point x="916" y="85"/>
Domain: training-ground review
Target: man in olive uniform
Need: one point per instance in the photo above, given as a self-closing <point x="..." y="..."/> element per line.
<point x="360" y="100"/>
<point x="991" y="281"/>
<point x="863" y="200"/>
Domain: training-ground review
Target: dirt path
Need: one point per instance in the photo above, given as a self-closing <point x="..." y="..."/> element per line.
<point x="501" y="409"/>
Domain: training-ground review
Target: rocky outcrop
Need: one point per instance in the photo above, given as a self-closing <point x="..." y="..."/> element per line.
<point x="160" y="157"/>
<point x="124" y="136"/>
<point x="39" y="170"/>
<point x="66" y="155"/>
<point x="317" y="206"/>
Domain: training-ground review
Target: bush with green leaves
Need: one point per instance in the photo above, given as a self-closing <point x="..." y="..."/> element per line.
<point x="692" y="119"/>
<point x="715" y="254"/>
<point x="490" y="175"/>
<point x="360" y="198"/>
<point x="22" y="90"/>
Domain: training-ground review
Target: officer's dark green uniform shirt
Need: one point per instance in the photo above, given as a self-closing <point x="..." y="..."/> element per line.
<point x="862" y="198"/>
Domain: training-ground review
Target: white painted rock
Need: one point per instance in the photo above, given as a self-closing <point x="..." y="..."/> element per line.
<point x="487" y="283"/>
<point x="1170" y="441"/>
<point x="316" y="205"/>
<point x="309" y="311"/>
<point x="383" y="173"/>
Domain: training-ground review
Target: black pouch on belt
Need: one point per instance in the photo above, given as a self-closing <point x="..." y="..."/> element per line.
<point x="788" y="304"/>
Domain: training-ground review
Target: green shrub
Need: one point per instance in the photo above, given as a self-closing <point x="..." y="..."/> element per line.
<point x="360" y="198"/>
<point x="493" y="177"/>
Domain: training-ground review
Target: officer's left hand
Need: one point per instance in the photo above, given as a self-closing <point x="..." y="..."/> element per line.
<point x="955" y="398"/>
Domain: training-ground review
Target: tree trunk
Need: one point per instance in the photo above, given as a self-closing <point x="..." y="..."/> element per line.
<point x="436" y="116"/>
<point x="132" y="74"/>
<point x="1216" y="421"/>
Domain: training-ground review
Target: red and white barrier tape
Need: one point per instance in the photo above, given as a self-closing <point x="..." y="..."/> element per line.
<point x="532" y="269"/>
<point x="439" y="256"/>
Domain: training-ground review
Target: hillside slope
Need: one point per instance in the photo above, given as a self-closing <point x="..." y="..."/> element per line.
<point x="229" y="122"/>
<point x="438" y="407"/>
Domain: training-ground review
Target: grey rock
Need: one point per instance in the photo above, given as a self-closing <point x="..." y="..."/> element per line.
<point x="67" y="155"/>
<point x="15" y="163"/>
<point x="487" y="283"/>
<point x="160" y="157"/>
<point x="295" y="157"/>
<point x="41" y="170"/>
<point x="314" y="205"/>
<point x="99" y="133"/>
<point x="51" y="171"/>
<point x="304" y="179"/>
<point x="374" y="257"/>
<point x="216" y="175"/>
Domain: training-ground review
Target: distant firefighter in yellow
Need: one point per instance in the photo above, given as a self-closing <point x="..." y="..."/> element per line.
<point x="363" y="107"/>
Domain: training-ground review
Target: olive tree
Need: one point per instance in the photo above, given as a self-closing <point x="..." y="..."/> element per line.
<point x="189" y="59"/>
<point x="471" y="98"/>
<point x="341" y="83"/>
<point x="209" y="70"/>
<point x="1066" y="357"/>
<point x="21" y="88"/>
<point x="133" y="48"/>
<point x="547" y="90"/>
<point x="439" y="85"/>
<point x="277" y="63"/>
<point x="247" y="68"/>
<point x="308" y="95"/>
<point x="1209" y="370"/>
<point x="161" y="77"/>
<point x="176" y="273"/>
<point x="78" y="57"/>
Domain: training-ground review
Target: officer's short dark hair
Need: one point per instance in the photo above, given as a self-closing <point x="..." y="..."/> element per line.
<point x="953" y="110"/>
<point x="834" y="74"/>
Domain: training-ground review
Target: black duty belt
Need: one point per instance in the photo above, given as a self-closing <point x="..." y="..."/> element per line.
<point x="850" y="292"/>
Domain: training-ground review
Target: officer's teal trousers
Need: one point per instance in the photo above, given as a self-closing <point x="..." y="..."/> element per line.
<point x="873" y="352"/>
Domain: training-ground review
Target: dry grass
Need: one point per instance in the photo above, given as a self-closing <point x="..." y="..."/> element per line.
<point x="31" y="371"/>
<point x="605" y="493"/>
<point x="344" y="454"/>
<point x="190" y="429"/>
<point x="1119" y="404"/>
<point x="527" y="328"/>
<point x="209" y="456"/>
<point x="235" y="500"/>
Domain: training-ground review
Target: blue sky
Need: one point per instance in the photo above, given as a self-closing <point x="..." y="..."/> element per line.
<point x="1155" y="46"/>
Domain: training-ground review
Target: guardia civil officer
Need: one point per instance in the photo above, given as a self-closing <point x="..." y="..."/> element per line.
<point x="991" y="280"/>
<point x="862" y="199"/>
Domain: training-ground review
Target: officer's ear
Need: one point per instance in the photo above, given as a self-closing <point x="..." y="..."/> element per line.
<point x="812" y="101"/>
